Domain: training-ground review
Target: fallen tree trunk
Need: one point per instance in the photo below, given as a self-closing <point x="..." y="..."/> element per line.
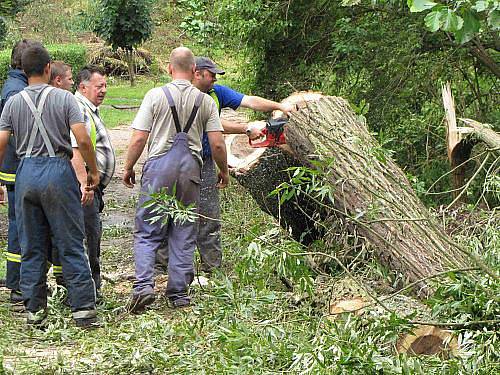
<point x="370" y="195"/>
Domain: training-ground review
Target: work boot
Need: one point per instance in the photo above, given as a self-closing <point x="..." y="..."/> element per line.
<point x="3" y="283"/>
<point x="87" y="322"/>
<point x="36" y="319"/>
<point x="16" y="301"/>
<point x="138" y="302"/>
<point x="180" y="303"/>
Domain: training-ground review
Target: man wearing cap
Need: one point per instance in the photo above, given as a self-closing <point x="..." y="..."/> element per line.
<point x="208" y="241"/>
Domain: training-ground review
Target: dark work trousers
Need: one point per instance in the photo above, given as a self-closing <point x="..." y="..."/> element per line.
<point x="93" y="234"/>
<point x="13" y="248"/>
<point x="48" y="202"/>
<point x="177" y="168"/>
<point x="208" y="240"/>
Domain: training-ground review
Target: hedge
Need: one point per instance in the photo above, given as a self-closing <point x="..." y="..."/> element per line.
<point x="72" y="54"/>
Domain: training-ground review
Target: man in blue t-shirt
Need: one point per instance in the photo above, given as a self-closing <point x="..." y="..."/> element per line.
<point x="208" y="242"/>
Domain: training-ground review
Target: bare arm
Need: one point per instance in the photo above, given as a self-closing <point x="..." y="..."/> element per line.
<point x="81" y="174"/>
<point x="218" y="148"/>
<point x="264" y="105"/>
<point x="88" y="154"/>
<point x="135" y="149"/>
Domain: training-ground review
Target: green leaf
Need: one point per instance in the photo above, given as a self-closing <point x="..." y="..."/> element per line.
<point x="494" y="19"/>
<point x="420" y="5"/>
<point x="433" y="21"/>
<point x="480" y="6"/>
<point x="470" y="28"/>
<point x="451" y="21"/>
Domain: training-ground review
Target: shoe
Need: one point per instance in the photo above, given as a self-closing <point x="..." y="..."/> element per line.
<point x="17" y="301"/>
<point x="36" y="319"/>
<point x="180" y="303"/>
<point x="138" y="302"/>
<point x="87" y="322"/>
<point x="3" y="283"/>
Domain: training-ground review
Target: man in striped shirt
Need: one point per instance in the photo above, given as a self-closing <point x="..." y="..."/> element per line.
<point x="91" y="90"/>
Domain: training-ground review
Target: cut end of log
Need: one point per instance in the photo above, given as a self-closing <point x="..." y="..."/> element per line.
<point x="428" y="340"/>
<point x="354" y="305"/>
<point x="300" y="100"/>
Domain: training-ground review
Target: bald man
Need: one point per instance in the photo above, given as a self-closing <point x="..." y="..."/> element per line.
<point x="171" y="120"/>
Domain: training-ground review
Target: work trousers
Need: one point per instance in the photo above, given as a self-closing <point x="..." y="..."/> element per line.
<point x="208" y="239"/>
<point x="178" y="172"/>
<point x="13" y="247"/>
<point x="93" y="234"/>
<point x="48" y="202"/>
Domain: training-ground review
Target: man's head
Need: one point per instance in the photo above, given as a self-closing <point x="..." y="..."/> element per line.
<point x="36" y="62"/>
<point x="61" y="75"/>
<point x="17" y="52"/>
<point x="181" y="64"/>
<point x="205" y="74"/>
<point x="91" y="83"/>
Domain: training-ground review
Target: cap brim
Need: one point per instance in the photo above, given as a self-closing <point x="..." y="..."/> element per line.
<point x="216" y="71"/>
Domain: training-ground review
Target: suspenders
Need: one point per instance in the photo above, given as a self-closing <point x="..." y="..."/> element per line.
<point x="38" y="126"/>
<point x="175" y="115"/>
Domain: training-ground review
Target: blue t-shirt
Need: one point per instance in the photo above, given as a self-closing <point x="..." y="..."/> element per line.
<point x="227" y="98"/>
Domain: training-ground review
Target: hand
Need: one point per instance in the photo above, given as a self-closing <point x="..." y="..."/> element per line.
<point x="286" y="108"/>
<point x="254" y="132"/>
<point x="2" y="195"/>
<point x="128" y="178"/>
<point x="87" y="196"/>
<point x="223" y="179"/>
<point x="92" y="180"/>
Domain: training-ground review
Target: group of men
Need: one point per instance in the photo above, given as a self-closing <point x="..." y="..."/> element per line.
<point x="58" y="159"/>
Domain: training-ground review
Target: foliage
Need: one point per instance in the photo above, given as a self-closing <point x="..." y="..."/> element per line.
<point x="166" y="208"/>
<point x="125" y="24"/>
<point x="380" y="57"/>
<point x="72" y="54"/>
<point x="196" y="22"/>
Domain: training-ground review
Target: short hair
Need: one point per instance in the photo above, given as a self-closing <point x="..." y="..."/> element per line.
<point x="34" y="60"/>
<point x="58" y="69"/>
<point x="182" y="59"/>
<point x="17" y="52"/>
<point x="85" y="74"/>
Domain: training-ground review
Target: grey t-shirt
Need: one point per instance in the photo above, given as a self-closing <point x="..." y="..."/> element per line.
<point x="155" y="117"/>
<point x="59" y="113"/>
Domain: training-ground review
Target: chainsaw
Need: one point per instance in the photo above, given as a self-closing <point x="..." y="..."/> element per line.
<point x="273" y="133"/>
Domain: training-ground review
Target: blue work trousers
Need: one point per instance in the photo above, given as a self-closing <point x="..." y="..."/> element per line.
<point x="13" y="247"/>
<point x="48" y="202"/>
<point x="178" y="171"/>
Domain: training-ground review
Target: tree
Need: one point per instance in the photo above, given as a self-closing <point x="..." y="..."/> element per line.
<point x="125" y="24"/>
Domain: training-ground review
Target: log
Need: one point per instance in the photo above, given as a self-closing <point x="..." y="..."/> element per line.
<point x="371" y="196"/>
<point x="428" y="340"/>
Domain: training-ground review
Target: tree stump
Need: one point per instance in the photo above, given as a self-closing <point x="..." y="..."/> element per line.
<point x="370" y="194"/>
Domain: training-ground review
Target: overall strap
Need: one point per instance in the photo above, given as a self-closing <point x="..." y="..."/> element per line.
<point x="171" y="104"/>
<point x="37" y="114"/>
<point x="197" y="103"/>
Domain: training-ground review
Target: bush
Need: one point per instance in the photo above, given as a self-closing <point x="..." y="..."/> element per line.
<point x="72" y="54"/>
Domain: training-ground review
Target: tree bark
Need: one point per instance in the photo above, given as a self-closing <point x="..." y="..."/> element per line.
<point x="372" y="197"/>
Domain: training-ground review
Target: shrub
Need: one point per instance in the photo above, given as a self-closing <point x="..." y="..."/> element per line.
<point x="72" y="54"/>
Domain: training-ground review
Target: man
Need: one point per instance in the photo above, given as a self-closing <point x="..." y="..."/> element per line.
<point x="61" y="76"/>
<point x="47" y="195"/>
<point x="91" y="91"/>
<point x="208" y="241"/>
<point x="172" y="120"/>
<point x="16" y="82"/>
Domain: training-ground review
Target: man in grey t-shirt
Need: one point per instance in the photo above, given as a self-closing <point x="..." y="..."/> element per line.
<point x="47" y="195"/>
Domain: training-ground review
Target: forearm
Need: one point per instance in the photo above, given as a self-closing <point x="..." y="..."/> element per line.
<point x="88" y="155"/>
<point x="260" y="104"/>
<point x="4" y="140"/>
<point x="218" y="148"/>
<point x="231" y="127"/>
<point x="79" y="167"/>
<point x="135" y="148"/>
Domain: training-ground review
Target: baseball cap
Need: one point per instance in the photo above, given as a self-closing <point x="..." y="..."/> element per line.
<point x="203" y="63"/>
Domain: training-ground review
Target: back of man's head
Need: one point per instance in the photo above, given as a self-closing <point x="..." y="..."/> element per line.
<point x="58" y="69"/>
<point x="34" y="60"/>
<point x="182" y="60"/>
<point x="17" y="52"/>
<point x="85" y="75"/>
